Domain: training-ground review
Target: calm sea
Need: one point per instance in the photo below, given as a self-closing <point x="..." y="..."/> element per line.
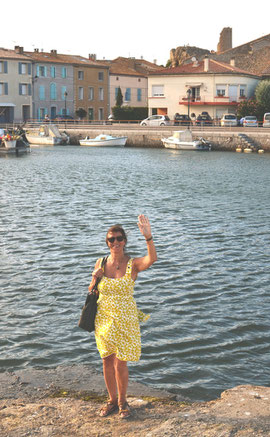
<point x="208" y="294"/>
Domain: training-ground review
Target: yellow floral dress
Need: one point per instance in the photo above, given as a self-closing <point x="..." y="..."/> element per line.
<point x="117" y="328"/>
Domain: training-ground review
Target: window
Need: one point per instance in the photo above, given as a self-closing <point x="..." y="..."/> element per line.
<point x="221" y="90"/>
<point x="157" y="90"/>
<point x="90" y="93"/>
<point x="53" y="94"/>
<point x="41" y="92"/>
<point x="3" y="89"/>
<point x="25" y="89"/>
<point x="41" y="71"/>
<point x="100" y="76"/>
<point x="80" y="75"/>
<point x="80" y="93"/>
<point x="100" y="114"/>
<point x="63" y="92"/>
<point x="128" y="95"/>
<point x="3" y="67"/>
<point x="53" y="72"/>
<point x="64" y="72"/>
<point x="243" y="91"/>
<point x="101" y="94"/>
<point x="90" y="113"/>
<point x="53" y="112"/>
<point x="139" y="94"/>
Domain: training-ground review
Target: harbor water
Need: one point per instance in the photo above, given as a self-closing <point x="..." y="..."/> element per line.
<point x="208" y="294"/>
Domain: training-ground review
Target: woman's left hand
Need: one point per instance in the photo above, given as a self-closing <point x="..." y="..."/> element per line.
<point x="144" y="226"/>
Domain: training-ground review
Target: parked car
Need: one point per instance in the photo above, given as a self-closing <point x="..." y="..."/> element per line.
<point x="156" y="120"/>
<point x="204" y="119"/>
<point x="250" y="121"/>
<point x="228" y="120"/>
<point x="182" y="120"/>
<point x="63" y="119"/>
<point x="266" y="119"/>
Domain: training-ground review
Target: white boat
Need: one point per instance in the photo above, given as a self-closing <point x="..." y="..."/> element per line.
<point x="182" y="140"/>
<point x="48" y="134"/>
<point x="103" y="140"/>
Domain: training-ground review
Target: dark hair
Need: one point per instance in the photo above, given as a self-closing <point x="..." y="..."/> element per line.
<point x="116" y="228"/>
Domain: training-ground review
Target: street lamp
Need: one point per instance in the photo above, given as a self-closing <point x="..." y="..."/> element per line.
<point x="188" y="96"/>
<point x="65" y="95"/>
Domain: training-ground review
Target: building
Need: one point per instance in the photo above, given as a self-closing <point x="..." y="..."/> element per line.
<point x="130" y="75"/>
<point x="15" y="85"/>
<point x="91" y="84"/>
<point x="215" y="87"/>
<point x="62" y="84"/>
<point x="35" y="84"/>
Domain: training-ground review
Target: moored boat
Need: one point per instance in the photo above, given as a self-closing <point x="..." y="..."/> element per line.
<point x="182" y="140"/>
<point x="47" y="134"/>
<point x="103" y="140"/>
<point x="13" y="142"/>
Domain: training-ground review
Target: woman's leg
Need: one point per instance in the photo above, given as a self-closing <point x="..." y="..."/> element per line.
<point x="121" y="376"/>
<point x="110" y="377"/>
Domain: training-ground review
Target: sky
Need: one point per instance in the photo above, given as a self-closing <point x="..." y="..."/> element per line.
<point x="144" y="28"/>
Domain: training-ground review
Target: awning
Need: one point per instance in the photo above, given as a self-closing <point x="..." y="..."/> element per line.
<point x="194" y="84"/>
<point x="7" y="104"/>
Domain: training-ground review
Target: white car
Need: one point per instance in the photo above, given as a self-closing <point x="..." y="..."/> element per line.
<point x="156" y="120"/>
<point x="250" y="121"/>
<point x="228" y="120"/>
<point x="266" y="119"/>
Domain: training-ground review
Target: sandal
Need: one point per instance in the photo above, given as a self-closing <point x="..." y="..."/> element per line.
<point x="124" y="411"/>
<point x="108" y="409"/>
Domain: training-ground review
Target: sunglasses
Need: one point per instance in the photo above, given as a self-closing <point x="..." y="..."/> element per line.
<point x="112" y="239"/>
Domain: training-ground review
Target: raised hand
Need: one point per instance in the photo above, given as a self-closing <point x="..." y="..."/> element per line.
<point x="144" y="226"/>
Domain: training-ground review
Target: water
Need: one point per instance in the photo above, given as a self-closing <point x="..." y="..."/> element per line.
<point x="208" y="294"/>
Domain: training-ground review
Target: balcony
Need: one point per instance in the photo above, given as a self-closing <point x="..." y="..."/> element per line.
<point x="214" y="101"/>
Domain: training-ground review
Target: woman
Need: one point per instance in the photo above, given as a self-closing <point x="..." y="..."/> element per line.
<point x="117" y="328"/>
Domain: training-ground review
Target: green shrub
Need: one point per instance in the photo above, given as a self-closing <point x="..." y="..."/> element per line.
<point x="129" y="113"/>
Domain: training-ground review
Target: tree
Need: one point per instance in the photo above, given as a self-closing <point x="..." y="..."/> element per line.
<point x="119" y="97"/>
<point x="262" y="94"/>
<point x="247" y="107"/>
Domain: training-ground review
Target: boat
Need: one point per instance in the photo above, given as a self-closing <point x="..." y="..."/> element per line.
<point x="103" y="140"/>
<point x="47" y="134"/>
<point x="13" y="142"/>
<point x="182" y="140"/>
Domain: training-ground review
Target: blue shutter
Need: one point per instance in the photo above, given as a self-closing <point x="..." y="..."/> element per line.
<point x="20" y="67"/>
<point x="20" y="89"/>
<point x="116" y="92"/>
<point x="127" y="95"/>
<point x="139" y="94"/>
<point x="29" y="69"/>
<point x="29" y="89"/>
<point x="5" y="66"/>
<point x="45" y="71"/>
<point x="6" y="88"/>
<point x="37" y="70"/>
<point x="42" y="92"/>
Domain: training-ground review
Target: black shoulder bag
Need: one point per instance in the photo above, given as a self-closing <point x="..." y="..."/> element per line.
<point x="87" y="319"/>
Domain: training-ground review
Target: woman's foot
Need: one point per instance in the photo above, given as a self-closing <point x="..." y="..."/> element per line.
<point x="108" y="409"/>
<point x="124" y="411"/>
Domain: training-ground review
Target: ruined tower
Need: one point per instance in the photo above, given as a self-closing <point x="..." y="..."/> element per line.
<point x="225" y="40"/>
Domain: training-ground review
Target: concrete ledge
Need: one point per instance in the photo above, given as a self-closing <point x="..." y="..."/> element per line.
<point x="226" y="140"/>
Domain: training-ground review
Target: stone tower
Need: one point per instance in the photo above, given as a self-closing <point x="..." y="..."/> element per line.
<point x="225" y="40"/>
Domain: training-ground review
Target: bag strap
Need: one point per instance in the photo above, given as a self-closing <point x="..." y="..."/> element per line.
<point x="102" y="264"/>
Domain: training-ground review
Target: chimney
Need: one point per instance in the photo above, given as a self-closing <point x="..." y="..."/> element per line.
<point x="18" y="50"/>
<point x="206" y="64"/>
<point x="232" y="62"/>
<point x="155" y="61"/>
<point x="54" y="52"/>
<point x="36" y="50"/>
<point x="92" y="57"/>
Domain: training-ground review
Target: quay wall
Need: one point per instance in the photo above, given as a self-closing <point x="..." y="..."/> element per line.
<point x="226" y="140"/>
